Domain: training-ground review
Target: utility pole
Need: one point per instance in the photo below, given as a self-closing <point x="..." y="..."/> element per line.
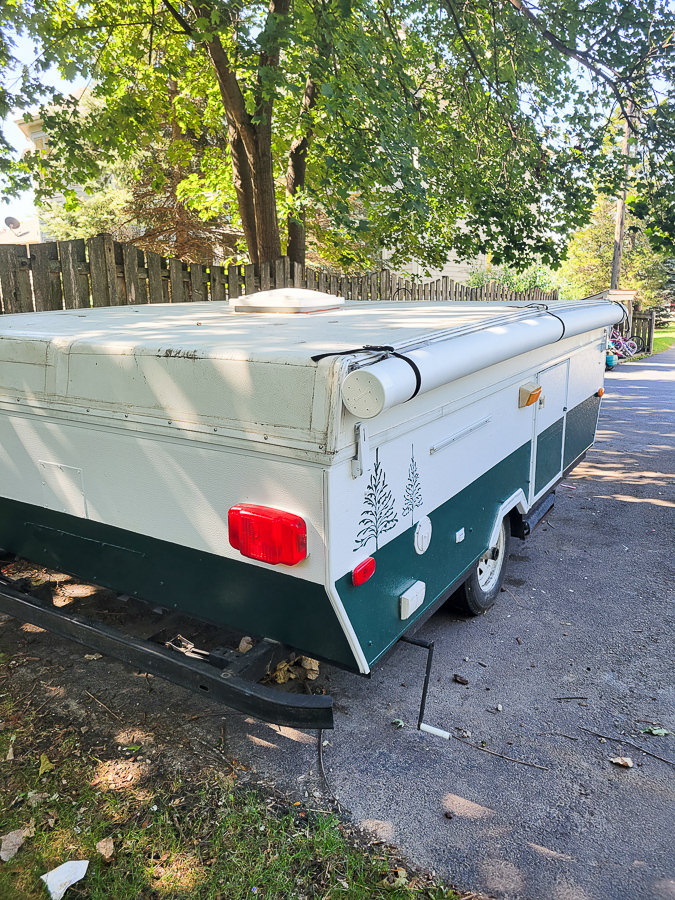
<point x="621" y="205"/>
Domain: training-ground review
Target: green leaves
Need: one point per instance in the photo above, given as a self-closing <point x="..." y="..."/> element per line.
<point x="459" y="129"/>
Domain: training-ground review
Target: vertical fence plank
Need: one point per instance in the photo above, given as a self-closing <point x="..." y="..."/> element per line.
<point x="155" y="286"/>
<point x="385" y="293"/>
<point x="134" y="289"/>
<point x="120" y="281"/>
<point x="102" y="270"/>
<point x="23" y="285"/>
<point x="249" y="279"/>
<point x="311" y="279"/>
<point x="299" y="275"/>
<point x="332" y="284"/>
<point x="217" y="288"/>
<point x="44" y="258"/>
<point x="233" y="282"/>
<point x="14" y="299"/>
<point x="265" y="276"/>
<point x="19" y="292"/>
<point x="75" y="281"/>
<point x="41" y="280"/>
<point x="282" y="272"/>
<point x="197" y="284"/>
<point x="176" y="281"/>
<point x="279" y="273"/>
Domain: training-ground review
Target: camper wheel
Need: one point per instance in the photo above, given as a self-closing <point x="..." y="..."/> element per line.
<point x="481" y="589"/>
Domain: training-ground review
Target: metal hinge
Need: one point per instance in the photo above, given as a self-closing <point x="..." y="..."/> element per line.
<point x="361" y="438"/>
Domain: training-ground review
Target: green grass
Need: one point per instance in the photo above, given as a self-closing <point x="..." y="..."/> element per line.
<point x="178" y="837"/>
<point x="664" y="338"/>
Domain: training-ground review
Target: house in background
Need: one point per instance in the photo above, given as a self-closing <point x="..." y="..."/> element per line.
<point x="20" y="231"/>
<point x="458" y="271"/>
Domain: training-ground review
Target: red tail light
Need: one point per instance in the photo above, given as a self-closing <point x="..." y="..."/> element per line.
<point x="363" y="571"/>
<point x="267" y="534"/>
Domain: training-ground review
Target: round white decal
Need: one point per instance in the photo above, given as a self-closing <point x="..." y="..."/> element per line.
<point x="423" y="535"/>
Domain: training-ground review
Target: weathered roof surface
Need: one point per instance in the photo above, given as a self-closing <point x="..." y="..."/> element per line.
<point x="206" y="367"/>
<point x="216" y="330"/>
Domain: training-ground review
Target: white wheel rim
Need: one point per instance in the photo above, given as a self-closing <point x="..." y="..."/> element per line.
<point x="489" y="569"/>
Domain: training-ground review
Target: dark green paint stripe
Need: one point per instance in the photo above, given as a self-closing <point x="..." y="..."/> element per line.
<point x="373" y="608"/>
<point x="260" y="602"/>
<point x="549" y="455"/>
<point x="580" y="429"/>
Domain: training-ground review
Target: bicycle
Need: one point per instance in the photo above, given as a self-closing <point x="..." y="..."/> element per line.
<point x="624" y="348"/>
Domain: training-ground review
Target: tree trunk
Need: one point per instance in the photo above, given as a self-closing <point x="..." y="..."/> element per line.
<point x="243" y="188"/>
<point x="251" y="145"/>
<point x="296" y="174"/>
<point x="621" y="206"/>
<point x="264" y="197"/>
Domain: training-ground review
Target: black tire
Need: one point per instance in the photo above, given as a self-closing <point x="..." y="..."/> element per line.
<point x="481" y="589"/>
<point x="641" y="346"/>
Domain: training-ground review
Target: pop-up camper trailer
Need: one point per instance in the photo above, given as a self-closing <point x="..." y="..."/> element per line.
<point x="317" y="473"/>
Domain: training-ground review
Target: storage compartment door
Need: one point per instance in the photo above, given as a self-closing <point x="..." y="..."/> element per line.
<point x="549" y="427"/>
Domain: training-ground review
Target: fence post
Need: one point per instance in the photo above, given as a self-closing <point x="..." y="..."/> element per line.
<point x="650" y="332"/>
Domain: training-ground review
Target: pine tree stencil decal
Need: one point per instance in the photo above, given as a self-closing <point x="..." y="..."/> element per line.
<point x="412" y="498"/>
<point x="378" y="514"/>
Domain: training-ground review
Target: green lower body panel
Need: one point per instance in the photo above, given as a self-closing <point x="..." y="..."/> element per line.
<point x="226" y="592"/>
<point x="549" y="455"/>
<point x="374" y="607"/>
<point x="580" y="429"/>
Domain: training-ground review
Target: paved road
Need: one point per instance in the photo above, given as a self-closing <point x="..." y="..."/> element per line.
<point x="585" y="615"/>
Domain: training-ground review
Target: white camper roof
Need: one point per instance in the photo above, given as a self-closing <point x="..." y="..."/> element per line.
<point x="209" y="364"/>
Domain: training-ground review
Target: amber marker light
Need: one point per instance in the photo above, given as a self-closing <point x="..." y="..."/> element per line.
<point x="363" y="571"/>
<point x="528" y="394"/>
<point x="600" y="392"/>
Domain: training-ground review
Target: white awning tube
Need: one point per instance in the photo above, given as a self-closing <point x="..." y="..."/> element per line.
<point x="369" y="390"/>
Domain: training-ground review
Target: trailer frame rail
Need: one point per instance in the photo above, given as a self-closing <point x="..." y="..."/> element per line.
<point x="223" y="675"/>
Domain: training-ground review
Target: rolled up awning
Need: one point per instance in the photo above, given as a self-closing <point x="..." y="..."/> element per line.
<point x="381" y="383"/>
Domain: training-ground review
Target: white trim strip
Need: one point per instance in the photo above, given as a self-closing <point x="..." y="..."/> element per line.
<point x="334" y="597"/>
<point x="441" y="445"/>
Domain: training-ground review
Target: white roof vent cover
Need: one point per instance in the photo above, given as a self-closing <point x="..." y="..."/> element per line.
<point x="286" y="300"/>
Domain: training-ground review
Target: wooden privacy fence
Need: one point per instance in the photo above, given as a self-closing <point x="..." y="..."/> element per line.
<point x="643" y="326"/>
<point x="103" y="272"/>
